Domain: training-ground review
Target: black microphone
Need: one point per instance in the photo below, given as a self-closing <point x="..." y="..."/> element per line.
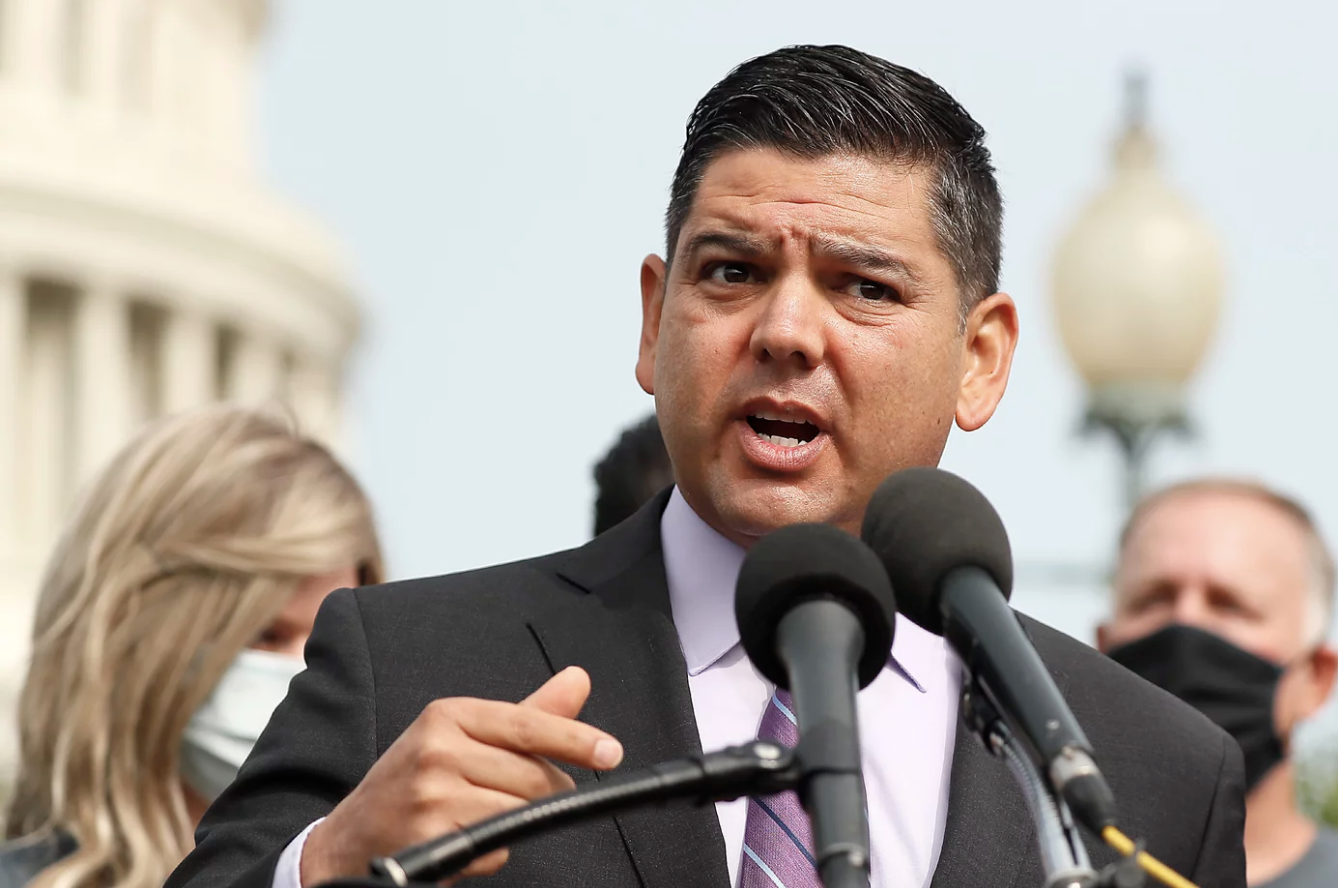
<point x="947" y="555"/>
<point x="815" y="613"/>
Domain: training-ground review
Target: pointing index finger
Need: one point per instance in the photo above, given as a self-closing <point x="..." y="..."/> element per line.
<point x="563" y="694"/>
<point x="527" y="729"/>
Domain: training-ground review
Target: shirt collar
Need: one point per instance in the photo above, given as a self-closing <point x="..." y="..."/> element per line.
<point x="702" y="567"/>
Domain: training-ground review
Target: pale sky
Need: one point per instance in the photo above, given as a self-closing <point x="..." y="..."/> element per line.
<point x="497" y="171"/>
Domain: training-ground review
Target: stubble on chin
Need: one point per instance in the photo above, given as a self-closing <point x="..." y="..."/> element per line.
<point x="746" y="510"/>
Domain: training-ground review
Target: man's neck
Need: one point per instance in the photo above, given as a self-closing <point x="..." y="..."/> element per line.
<point x="1277" y="833"/>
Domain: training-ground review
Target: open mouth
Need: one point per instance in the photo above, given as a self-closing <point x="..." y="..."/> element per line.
<point x="782" y="432"/>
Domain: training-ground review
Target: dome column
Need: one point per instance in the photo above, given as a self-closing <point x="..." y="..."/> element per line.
<point x="102" y="375"/>
<point x="13" y="320"/>
<point x="315" y="387"/>
<point x="259" y="373"/>
<point x="189" y="360"/>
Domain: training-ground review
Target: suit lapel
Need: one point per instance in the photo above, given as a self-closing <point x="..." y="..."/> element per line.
<point x="989" y="830"/>
<point x="624" y="636"/>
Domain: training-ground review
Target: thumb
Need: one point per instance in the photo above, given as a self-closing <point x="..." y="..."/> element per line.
<point x="564" y="694"/>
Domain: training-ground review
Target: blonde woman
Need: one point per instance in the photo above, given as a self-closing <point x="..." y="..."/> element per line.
<point x="170" y="620"/>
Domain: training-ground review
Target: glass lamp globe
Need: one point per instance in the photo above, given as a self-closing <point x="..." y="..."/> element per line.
<point x="1137" y="288"/>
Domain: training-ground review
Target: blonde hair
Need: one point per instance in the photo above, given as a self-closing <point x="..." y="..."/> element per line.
<point x="184" y="549"/>
<point x="1320" y="603"/>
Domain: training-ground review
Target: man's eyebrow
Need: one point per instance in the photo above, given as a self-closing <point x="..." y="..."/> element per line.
<point x="728" y="241"/>
<point x="864" y="257"/>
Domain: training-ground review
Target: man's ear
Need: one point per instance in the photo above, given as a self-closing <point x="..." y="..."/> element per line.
<point x="991" y="337"/>
<point x="1304" y="689"/>
<point x="652" y="304"/>
<point x="1323" y="668"/>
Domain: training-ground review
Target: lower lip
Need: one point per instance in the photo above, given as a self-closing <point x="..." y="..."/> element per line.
<point x="775" y="458"/>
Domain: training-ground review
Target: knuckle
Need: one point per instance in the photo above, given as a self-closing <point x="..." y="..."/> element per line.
<point x="441" y="710"/>
<point x="430" y="751"/>
<point x="424" y="796"/>
<point x="420" y="756"/>
<point x="535" y="782"/>
<point x="499" y="804"/>
<point x="439" y="803"/>
<point x="439" y="755"/>
<point x="524" y="732"/>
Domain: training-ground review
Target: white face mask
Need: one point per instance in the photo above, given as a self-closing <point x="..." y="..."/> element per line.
<point x="220" y="735"/>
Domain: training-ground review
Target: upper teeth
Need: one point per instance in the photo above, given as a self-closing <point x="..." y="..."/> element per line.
<point x="776" y="417"/>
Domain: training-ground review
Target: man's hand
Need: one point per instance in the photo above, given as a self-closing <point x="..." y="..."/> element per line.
<point x="461" y="761"/>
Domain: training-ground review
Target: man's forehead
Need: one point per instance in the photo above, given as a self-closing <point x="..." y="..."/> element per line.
<point x="1235" y="511"/>
<point x="853" y="182"/>
<point x="766" y="194"/>
<point x="1207" y="530"/>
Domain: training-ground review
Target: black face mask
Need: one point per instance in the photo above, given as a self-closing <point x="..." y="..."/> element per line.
<point x="1234" y="688"/>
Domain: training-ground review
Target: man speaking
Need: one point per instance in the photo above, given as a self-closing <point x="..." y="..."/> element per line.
<point x="826" y="309"/>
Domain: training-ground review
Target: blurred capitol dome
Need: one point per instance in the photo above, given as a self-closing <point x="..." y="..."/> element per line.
<point x="144" y="266"/>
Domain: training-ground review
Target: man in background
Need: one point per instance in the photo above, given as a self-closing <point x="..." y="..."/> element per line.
<point x="1224" y="596"/>
<point x="635" y="469"/>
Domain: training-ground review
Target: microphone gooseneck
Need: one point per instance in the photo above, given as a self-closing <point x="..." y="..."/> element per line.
<point x="815" y="614"/>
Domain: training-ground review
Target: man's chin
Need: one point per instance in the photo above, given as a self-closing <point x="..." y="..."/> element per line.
<point x="753" y="509"/>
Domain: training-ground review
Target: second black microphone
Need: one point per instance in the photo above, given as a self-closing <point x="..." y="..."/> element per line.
<point x="816" y="616"/>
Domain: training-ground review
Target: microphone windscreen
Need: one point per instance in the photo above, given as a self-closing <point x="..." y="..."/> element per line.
<point x="807" y="562"/>
<point x="923" y="523"/>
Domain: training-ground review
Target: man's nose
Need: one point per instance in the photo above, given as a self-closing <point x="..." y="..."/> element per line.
<point x="1191" y="608"/>
<point x="790" y="327"/>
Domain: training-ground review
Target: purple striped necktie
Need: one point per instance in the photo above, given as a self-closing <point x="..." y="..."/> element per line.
<point x="777" y="840"/>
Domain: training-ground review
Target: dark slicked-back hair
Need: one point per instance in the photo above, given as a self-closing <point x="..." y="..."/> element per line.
<point x="633" y="471"/>
<point x="815" y="101"/>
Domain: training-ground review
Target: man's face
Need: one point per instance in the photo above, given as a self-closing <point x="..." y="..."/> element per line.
<point x="1225" y="562"/>
<point x="1235" y="566"/>
<point x="807" y="341"/>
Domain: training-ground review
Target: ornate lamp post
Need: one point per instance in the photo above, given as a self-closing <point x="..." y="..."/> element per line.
<point x="1137" y="293"/>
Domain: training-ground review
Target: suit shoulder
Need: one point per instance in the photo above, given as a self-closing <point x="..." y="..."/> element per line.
<point x="1177" y="777"/>
<point x="1124" y="702"/>
<point x="518" y="588"/>
<point x="468" y="634"/>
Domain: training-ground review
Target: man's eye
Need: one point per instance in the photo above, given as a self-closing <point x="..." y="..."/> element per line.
<point x="1225" y="604"/>
<point x="730" y="273"/>
<point x="1160" y="597"/>
<point x="873" y="291"/>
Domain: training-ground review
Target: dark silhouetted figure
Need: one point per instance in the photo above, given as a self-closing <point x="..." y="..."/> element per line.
<point x="634" y="470"/>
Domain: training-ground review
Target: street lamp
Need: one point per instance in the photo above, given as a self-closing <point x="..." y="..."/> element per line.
<point x="1137" y="294"/>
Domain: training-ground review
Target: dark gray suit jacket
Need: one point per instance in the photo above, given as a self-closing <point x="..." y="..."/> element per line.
<point x="379" y="655"/>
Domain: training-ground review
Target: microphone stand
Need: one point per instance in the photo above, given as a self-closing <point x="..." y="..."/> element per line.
<point x="1064" y="858"/>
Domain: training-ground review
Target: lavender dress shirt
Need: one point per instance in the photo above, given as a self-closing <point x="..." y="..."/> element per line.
<point x="908" y="716"/>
